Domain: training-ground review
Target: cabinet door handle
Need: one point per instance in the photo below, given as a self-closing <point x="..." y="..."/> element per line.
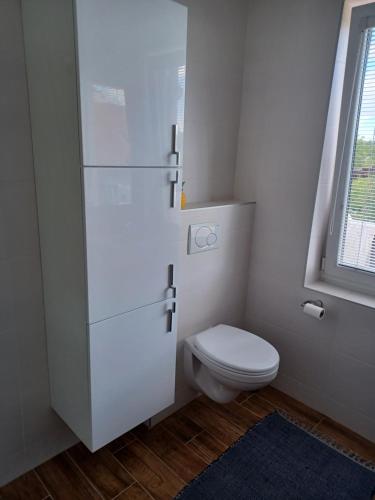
<point x="170" y="316"/>
<point x="171" y="284"/>
<point x="174" y="183"/>
<point x="174" y="143"/>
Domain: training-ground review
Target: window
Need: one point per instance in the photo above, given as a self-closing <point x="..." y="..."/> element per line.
<point x="350" y="246"/>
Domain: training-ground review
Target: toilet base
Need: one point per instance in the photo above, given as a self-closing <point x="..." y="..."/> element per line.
<point x="215" y="385"/>
<point x="207" y="384"/>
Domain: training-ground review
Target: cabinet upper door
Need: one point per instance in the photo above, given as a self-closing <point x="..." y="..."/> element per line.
<point x="131" y="71"/>
<point x="132" y="234"/>
<point x="132" y="370"/>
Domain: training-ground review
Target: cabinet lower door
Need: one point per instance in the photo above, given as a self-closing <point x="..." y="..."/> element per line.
<point x="132" y="365"/>
<point x="132" y="234"/>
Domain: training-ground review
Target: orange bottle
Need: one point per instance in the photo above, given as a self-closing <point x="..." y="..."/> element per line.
<point x="183" y="197"/>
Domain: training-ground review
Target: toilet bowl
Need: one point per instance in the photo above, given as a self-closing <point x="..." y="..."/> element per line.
<point x="223" y="361"/>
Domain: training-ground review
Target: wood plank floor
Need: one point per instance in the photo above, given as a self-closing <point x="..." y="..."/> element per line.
<point x="157" y="463"/>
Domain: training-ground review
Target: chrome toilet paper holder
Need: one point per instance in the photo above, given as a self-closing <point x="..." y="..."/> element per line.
<point x="318" y="303"/>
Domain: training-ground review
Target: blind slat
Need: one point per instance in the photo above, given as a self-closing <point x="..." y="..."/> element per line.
<point x="357" y="243"/>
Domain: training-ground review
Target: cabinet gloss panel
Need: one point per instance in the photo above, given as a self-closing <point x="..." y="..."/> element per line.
<point x="132" y="58"/>
<point x="132" y="234"/>
<point x="132" y="361"/>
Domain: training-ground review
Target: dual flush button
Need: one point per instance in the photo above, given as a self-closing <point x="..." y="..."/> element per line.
<point x="203" y="237"/>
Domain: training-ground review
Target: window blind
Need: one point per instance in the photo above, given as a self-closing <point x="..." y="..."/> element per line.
<point x="357" y="243"/>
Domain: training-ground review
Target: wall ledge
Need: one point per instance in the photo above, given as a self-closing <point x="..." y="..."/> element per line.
<point x="215" y="204"/>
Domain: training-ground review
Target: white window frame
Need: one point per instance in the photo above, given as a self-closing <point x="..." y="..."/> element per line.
<point x="362" y="18"/>
<point x="322" y="273"/>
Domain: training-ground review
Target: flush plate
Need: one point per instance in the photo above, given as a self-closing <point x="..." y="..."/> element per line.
<point x="203" y="237"/>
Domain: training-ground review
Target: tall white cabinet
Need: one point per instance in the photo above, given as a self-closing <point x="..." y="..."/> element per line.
<point x="106" y="83"/>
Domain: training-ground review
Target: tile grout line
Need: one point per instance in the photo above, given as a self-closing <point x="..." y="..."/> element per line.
<point x="247" y="409"/>
<point x="185" y="445"/>
<point x="130" y="474"/>
<point x="209" y="433"/>
<point x="317" y="424"/>
<point x="322" y="435"/>
<point x="354" y="438"/>
<point x="195" y="436"/>
<point x="122" y="447"/>
<point x="161" y="460"/>
<point x="146" y="491"/>
<point x="229" y="418"/>
<point x="177" y="437"/>
<point x="83" y="474"/>
<point x="298" y="418"/>
<point x="246" y="399"/>
<point x="348" y="448"/>
<point x="218" y="440"/>
<point x="122" y="491"/>
<point x="135" y="481"/>
<point x="49" y="494"/>
<point x="274" y="407"/>
<point x="204" y="458"/>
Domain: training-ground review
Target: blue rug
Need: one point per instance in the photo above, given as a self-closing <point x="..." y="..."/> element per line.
<point x="278" y="460"/>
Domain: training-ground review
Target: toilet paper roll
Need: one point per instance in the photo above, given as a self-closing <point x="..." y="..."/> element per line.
<point x="314" y="310"/>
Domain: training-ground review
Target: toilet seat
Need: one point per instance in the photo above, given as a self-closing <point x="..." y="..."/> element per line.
<point x="235" y="352"/>
<point x="233" y="374"/>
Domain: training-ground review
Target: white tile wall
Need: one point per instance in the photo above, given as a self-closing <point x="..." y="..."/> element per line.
<point x="329" y="364"/>
<point x="216" y="36"/>
<point x="29" y="431"/>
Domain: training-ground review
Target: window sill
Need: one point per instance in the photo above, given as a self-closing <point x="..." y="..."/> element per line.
<point x="342" y="293"/>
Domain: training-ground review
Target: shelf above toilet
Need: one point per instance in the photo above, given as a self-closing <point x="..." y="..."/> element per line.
<point x="215" y="204"/>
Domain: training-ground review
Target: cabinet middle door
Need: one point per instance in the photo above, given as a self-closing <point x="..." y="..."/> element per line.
<point x="132" y="220"/>
<point x="131" y="71"/>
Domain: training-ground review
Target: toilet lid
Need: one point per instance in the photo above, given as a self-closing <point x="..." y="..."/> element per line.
<point x="237" y="349"/>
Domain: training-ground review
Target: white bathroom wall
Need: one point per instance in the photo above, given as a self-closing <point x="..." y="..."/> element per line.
<point x="328" y="364"/>
<point x="29" y="430"/>
<point x="216" y="41"/>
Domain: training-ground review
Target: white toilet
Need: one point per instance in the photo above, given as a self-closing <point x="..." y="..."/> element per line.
<point x="223" y="361"/>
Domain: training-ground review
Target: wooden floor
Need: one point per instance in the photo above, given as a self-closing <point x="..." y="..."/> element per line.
<point x="157" y="463"/>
